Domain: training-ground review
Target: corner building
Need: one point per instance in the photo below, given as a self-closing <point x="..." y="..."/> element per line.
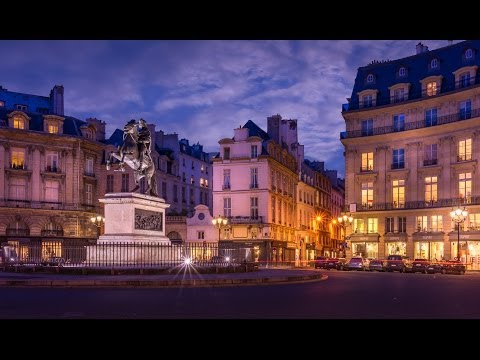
<point x="411" y="152"/>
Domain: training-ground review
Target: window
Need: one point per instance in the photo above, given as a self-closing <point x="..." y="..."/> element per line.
<point x="89" y="134"/>
<point x="367" y="127"/>
<point x="206" y="170"/>
<point x="192" y="198"/>
<point x="18" y="122"/>
<point x="431" y="117"/>
<point x="206" y="183"/>
<point x="184" y="195"/>
<point x="17" y="158"/>
<point x="465" y="150"/>
<point x="202" y="168"/>
<point x="175" y="192"/>
<point x="279" y="211"/>
<point x="370" y="78"/>
<point x="164" y="190"/>
<point x="367" y="161"/>
<point x="389" y="225"/>
<point x="430" y="155"/>
<point x="399" y="95"/>
<point x="274" y="201"/>
<point x="226" y="153"/>
<point x="367" y="194"/>
<point x="430" y="189"/>
<point x="398" y="191"/>
<point x="201" y="182"/>
<point x="432" y="88"/>
<point x="125" y="184"/>
<point x="89" y="166"/>
<point x="468" y="54"/>
<point x="465" y="187"/>
<point x="465" y="109"/>
<point x="372" y="225"/>
<point x="359" y="226"/>
<point x="254" y="207"/>
<point x="200" y="235"/>
<point x="399" y="122"/>
<point x="53" y="128"/>
<point x="21" y="107"/>
<point x="436" y="223"/>
<point x="109" y="184"/>
<point x="402" y="224"/>
<point x="402" y="71"/>
<point x="52" y="161"/>
<point x="464" y="80"/>
<point x="227" y="207"/>
<point x="434" y="63"/>
<point x="367" y="101"/>
<point x="17" y="190"/>
<point x="88" y="194"/>
<point x="183" y="161"/>
<point x="253" y="150"/>
<point x="272" y="179"/>
<point x="474" y="220"/>
<point x="193" y="165"/>
<point x="398" y="161"/>
<point x="226" y="178"/>
<point x="192" y="180"/>
<point x="422" y="223"/>
<point x="254" y="178"/>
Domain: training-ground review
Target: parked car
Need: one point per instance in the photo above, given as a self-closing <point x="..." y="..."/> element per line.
<point x="321" y="262"/>
<point x="376" y="265"/>
<point x="419" y="265"/>
<point x="331" y="263"/>
<point x="340" y="265"/>
<point x="396" y="263"/>
<point x="436" y="268"/>
<point x="53" y="261"/>
<point x="455" y="267"/>
<point x="356" y="263"/>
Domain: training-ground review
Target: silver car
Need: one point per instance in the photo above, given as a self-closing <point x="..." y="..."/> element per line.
<point x="356" y="263"/>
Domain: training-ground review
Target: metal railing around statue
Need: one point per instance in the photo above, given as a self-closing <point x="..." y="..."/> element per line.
<point x="123" y="255"/>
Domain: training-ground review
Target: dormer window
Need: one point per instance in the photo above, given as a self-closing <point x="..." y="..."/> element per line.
<point x="370" y="78"/>
<point x="432" y="88"/>
<point x="468" y="54"/>
<point x="53" y="128"/>
<point x="21" y="107"/>
<point x="434" y="64"/>
<point x="402" y="71"/>
<point x="88" y="134"/>
<point x="18" y="123"/>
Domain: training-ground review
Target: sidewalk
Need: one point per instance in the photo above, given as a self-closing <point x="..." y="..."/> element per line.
<point x="260" y="277"/>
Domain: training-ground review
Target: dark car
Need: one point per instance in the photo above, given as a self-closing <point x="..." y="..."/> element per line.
<point x="376" y="265"/>
<point x="53" y="261"/>
<point x="419" y="265"/>
<point x="396" y="263"/>
<point x="331" y="263"/>
<point x="455" y="267"/>
<point x="436" y="268"/>
<point x="340" y="265"/>
<point x="321" y="262"/>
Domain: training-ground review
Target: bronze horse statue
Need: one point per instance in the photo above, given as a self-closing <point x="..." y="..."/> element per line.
<point x="129" y="153"/>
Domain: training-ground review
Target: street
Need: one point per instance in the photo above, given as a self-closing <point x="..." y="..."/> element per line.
<point x="345" y="295"/>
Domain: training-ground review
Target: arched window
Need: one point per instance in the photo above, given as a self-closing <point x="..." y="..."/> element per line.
<point x="402" y="71"/>
<point x="52" y="229"/>
<point x="18" y="228"/>
<point x="468" y="54"/>
<point x="175" y="237"/>
<point x="370" y="78"/>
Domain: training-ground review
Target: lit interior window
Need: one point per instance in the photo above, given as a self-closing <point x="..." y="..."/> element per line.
<point x="18" y="123"/>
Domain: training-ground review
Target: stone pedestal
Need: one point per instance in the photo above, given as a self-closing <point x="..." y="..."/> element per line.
<point x="132" y="217"/>
<point x="134" y="233"/>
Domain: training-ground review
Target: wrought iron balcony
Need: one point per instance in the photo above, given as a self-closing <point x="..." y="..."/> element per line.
<point x="472" y="200"/>
<point x="245" y="220"/>
<point x="55" y="232"/>
<point x="366" y="168"/>
<point x="18" y="232"/>
<point x="430" y="162"/>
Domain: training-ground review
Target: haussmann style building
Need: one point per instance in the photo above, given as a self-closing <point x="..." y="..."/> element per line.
<point x="412" y="147"/>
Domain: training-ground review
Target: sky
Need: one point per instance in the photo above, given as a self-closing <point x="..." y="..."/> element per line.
<point x="203" y="89"/>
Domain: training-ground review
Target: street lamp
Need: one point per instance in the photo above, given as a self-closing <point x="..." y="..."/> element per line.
<point x="344" y="220"/>
<point x="98" y="221"/>
<point x="219" y="222"/>
<point x="459" y="215"/>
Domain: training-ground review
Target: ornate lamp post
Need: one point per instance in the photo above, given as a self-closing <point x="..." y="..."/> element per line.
<point x="345" y="220"/>
<point x="459" y="215"/>
<point x="219" y="222"/>
<point x="98" y="221"/>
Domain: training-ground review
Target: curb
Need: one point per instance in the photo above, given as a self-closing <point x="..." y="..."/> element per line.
<point x="162" y="283"/>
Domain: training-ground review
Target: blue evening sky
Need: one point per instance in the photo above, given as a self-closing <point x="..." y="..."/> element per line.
<point x="204" y="89"/>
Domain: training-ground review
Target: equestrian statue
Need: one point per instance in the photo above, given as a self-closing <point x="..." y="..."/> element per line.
<point x="136" y="153"/>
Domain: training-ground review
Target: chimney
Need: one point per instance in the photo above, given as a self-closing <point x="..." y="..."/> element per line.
<point x="419" y="48"/>
<point x="56" y="100"/>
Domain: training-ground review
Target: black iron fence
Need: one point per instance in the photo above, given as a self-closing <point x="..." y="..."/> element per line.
<point x="119" y="255"/>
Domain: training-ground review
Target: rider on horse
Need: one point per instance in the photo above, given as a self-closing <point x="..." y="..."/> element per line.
<point x="144" y="142"/>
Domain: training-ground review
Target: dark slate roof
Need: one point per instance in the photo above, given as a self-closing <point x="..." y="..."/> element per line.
<point x="255" y="130"/>
<point x="71" y="126"/>
<point x="450" y="58"/>
<point x="33" y="102"/>
<point x="116" y="139"/>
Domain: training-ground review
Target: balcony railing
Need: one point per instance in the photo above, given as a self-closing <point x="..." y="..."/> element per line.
<point x="441" y="120"/>
<point x="56" y="232"/>
<point x="446" y="87"/>
<point x="18" y="166"/>
<point x="47" y="205"/>
<point x="366" y="168"/>
<point x="88" y="173"/>
<point x="52" y="169"/>
<point x="18" y="232"/>
<point x="466" y="157"/>
<point x="397" y="166"/>
<point x="472" y="200"/>
<point x="245" y="219"/>
<point x="430" y="162"/>
<point x="226" y="187"/>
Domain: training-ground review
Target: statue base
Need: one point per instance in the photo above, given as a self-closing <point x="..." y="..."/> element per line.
<point x="134" y="233"/>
